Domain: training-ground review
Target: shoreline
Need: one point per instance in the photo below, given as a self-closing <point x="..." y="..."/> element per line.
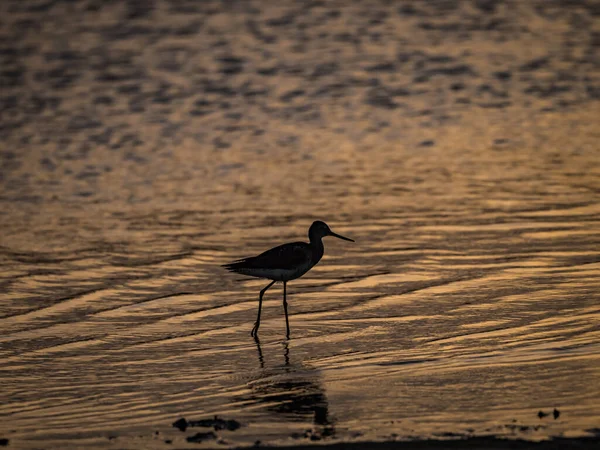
<point x="474" y="443"/>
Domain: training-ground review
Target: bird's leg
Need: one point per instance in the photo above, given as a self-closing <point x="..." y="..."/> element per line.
<point x="287" y="323"/>
<point x="254" y="332"/>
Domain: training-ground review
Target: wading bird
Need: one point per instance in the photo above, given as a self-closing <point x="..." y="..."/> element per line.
<point x="284" y="263"/>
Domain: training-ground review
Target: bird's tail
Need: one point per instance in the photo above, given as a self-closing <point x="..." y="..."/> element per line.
<point x="236" y="265"/>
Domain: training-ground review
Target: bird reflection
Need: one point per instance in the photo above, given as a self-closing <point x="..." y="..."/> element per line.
<point x="292" y="392"/>
<point x="261" y="358"/>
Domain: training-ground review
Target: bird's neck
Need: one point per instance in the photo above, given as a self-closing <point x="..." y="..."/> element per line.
<point x="316" y="244"/>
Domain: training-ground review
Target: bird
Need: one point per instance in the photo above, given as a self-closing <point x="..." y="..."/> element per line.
<point x="284" y="263"/>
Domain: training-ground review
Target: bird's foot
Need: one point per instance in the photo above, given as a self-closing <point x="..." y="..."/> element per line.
<point x="254" y="332"/>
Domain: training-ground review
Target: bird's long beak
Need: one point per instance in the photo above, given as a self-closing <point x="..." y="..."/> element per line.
<point x="331" y="233"/>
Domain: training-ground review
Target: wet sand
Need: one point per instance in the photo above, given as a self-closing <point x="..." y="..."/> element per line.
<point x="472" y="444"/>
<point x="143" y="144"/>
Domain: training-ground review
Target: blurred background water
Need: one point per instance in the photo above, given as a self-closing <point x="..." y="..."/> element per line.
<point x="144" y="143"/>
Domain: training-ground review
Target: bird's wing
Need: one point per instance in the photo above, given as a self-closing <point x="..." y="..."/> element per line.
<point x="286" y="256"/>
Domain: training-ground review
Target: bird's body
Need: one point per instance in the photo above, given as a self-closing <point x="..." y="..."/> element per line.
<point x="284" y="263"/>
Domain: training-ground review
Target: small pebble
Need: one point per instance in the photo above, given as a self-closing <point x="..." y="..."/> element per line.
<point x="181" y="424"/>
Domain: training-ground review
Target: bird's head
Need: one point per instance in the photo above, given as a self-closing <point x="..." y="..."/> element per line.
<point x="320" y="229"/>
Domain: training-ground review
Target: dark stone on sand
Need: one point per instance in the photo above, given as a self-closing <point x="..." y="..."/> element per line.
<point x="168" y="441"/>
<point x="216" y="422"/>
<point x="181" y="424"/>
<point x="556" y="413"/>
<point x="541" y="414"/>
<point x="4" y="442"/>
<point x="200" y="437"/>
<point x="427" y="143"/>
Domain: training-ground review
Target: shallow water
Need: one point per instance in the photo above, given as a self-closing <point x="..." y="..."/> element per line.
<point x="457" y="143"/>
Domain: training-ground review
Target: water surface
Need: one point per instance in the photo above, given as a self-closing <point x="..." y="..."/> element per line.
<point x="456" y="142"/>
